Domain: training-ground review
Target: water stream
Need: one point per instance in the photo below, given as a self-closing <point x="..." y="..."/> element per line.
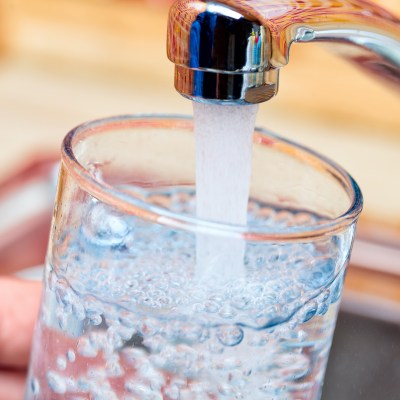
<point x="223" y="173"/>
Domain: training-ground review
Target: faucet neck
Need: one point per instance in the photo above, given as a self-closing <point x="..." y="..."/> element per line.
<point x="320" y="20"/>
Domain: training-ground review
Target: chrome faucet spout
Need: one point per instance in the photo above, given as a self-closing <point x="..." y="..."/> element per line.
<point x="231" y="51"/>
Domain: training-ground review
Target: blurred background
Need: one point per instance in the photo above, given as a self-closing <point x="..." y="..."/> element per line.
<point x="63" y="62"/>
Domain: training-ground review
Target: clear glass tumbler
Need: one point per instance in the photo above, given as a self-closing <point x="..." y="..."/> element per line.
<point x="127" y="313"/>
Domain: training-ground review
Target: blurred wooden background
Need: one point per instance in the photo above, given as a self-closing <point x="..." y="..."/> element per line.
<point x="63" y="62"/>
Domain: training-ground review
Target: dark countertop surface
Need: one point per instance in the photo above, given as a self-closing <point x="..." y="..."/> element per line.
<point x="364" y="363"/>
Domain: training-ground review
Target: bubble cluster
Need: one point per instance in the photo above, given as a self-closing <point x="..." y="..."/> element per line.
<point x="131" y="293"/>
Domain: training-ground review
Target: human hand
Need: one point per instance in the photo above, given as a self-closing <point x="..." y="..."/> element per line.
<point x="19" y="305"/>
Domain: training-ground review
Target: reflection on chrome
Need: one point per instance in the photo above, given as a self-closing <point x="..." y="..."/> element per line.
<point x="232" y="51"/>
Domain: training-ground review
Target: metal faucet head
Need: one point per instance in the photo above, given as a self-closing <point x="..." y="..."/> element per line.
<point x="231" y="51"/>
<point x="220" y="54"/>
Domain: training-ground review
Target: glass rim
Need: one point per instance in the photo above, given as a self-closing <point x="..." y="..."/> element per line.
<point x="108" y="194"/>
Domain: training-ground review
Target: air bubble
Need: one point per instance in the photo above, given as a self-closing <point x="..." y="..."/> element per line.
<point x="229" y="364"/>
<point x="319" y="275"/>
<point x="230" y="335"/>
<point x="185" y="332"/>
<point x="215" y="348"/>
<point x="78" y="310"/>
<point x="56" y="382"/>
<point x="96" y="319"/>
<point x="86" y="349"/>
<point x="273" y="388"/>
<point x="336" y="290"/>
<point x="35" y="386"/>
<point x="62" y="319"/>
<point x="309" y="311"/>
<point x="84" y="385"/>
<point x="271" y="316"/>
<point x="130" y="385"/>
<point x="293" y="367"/>
<point x="61" y="363"/>
<point x="227" y="312"/>
<point x="104" y="227"/>
<point x="172" y="393"/>
<point x="71" y="384"/>
<point x="114" y="338"/>
<point x="113" y="367"/>
<point x="258" y="338"/>
<point x="71" y="355"/>
<point x="290" y="295"/>
<point x="127" y="319"/>
<point x="227" y="390"/>
<point x="143" y="392"/>
<point x="323" y="308"/>
<point x="148" y="326"/>
<point x="241" y="302"/>
<point x="211" y="307"/>
<point x="260" y="262"/>
<point x="103" y="392"/>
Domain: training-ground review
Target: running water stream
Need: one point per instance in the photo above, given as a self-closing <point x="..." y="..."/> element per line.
<point x="223" y="173"/>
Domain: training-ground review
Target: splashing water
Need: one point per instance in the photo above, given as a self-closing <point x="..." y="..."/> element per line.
<point x="223" y="172"/>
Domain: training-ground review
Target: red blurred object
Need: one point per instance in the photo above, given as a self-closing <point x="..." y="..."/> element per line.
<point x="26" y="203"/>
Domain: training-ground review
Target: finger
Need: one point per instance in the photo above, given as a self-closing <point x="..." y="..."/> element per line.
<point x="24" y="247"/>
<point x="12" y="385"/>
<point x="19" y="307"/>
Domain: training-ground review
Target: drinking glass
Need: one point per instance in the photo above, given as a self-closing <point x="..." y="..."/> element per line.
<point x="128" y="313"/>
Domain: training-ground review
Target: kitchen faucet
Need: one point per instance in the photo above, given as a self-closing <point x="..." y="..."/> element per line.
<point x="231" y="51"/>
